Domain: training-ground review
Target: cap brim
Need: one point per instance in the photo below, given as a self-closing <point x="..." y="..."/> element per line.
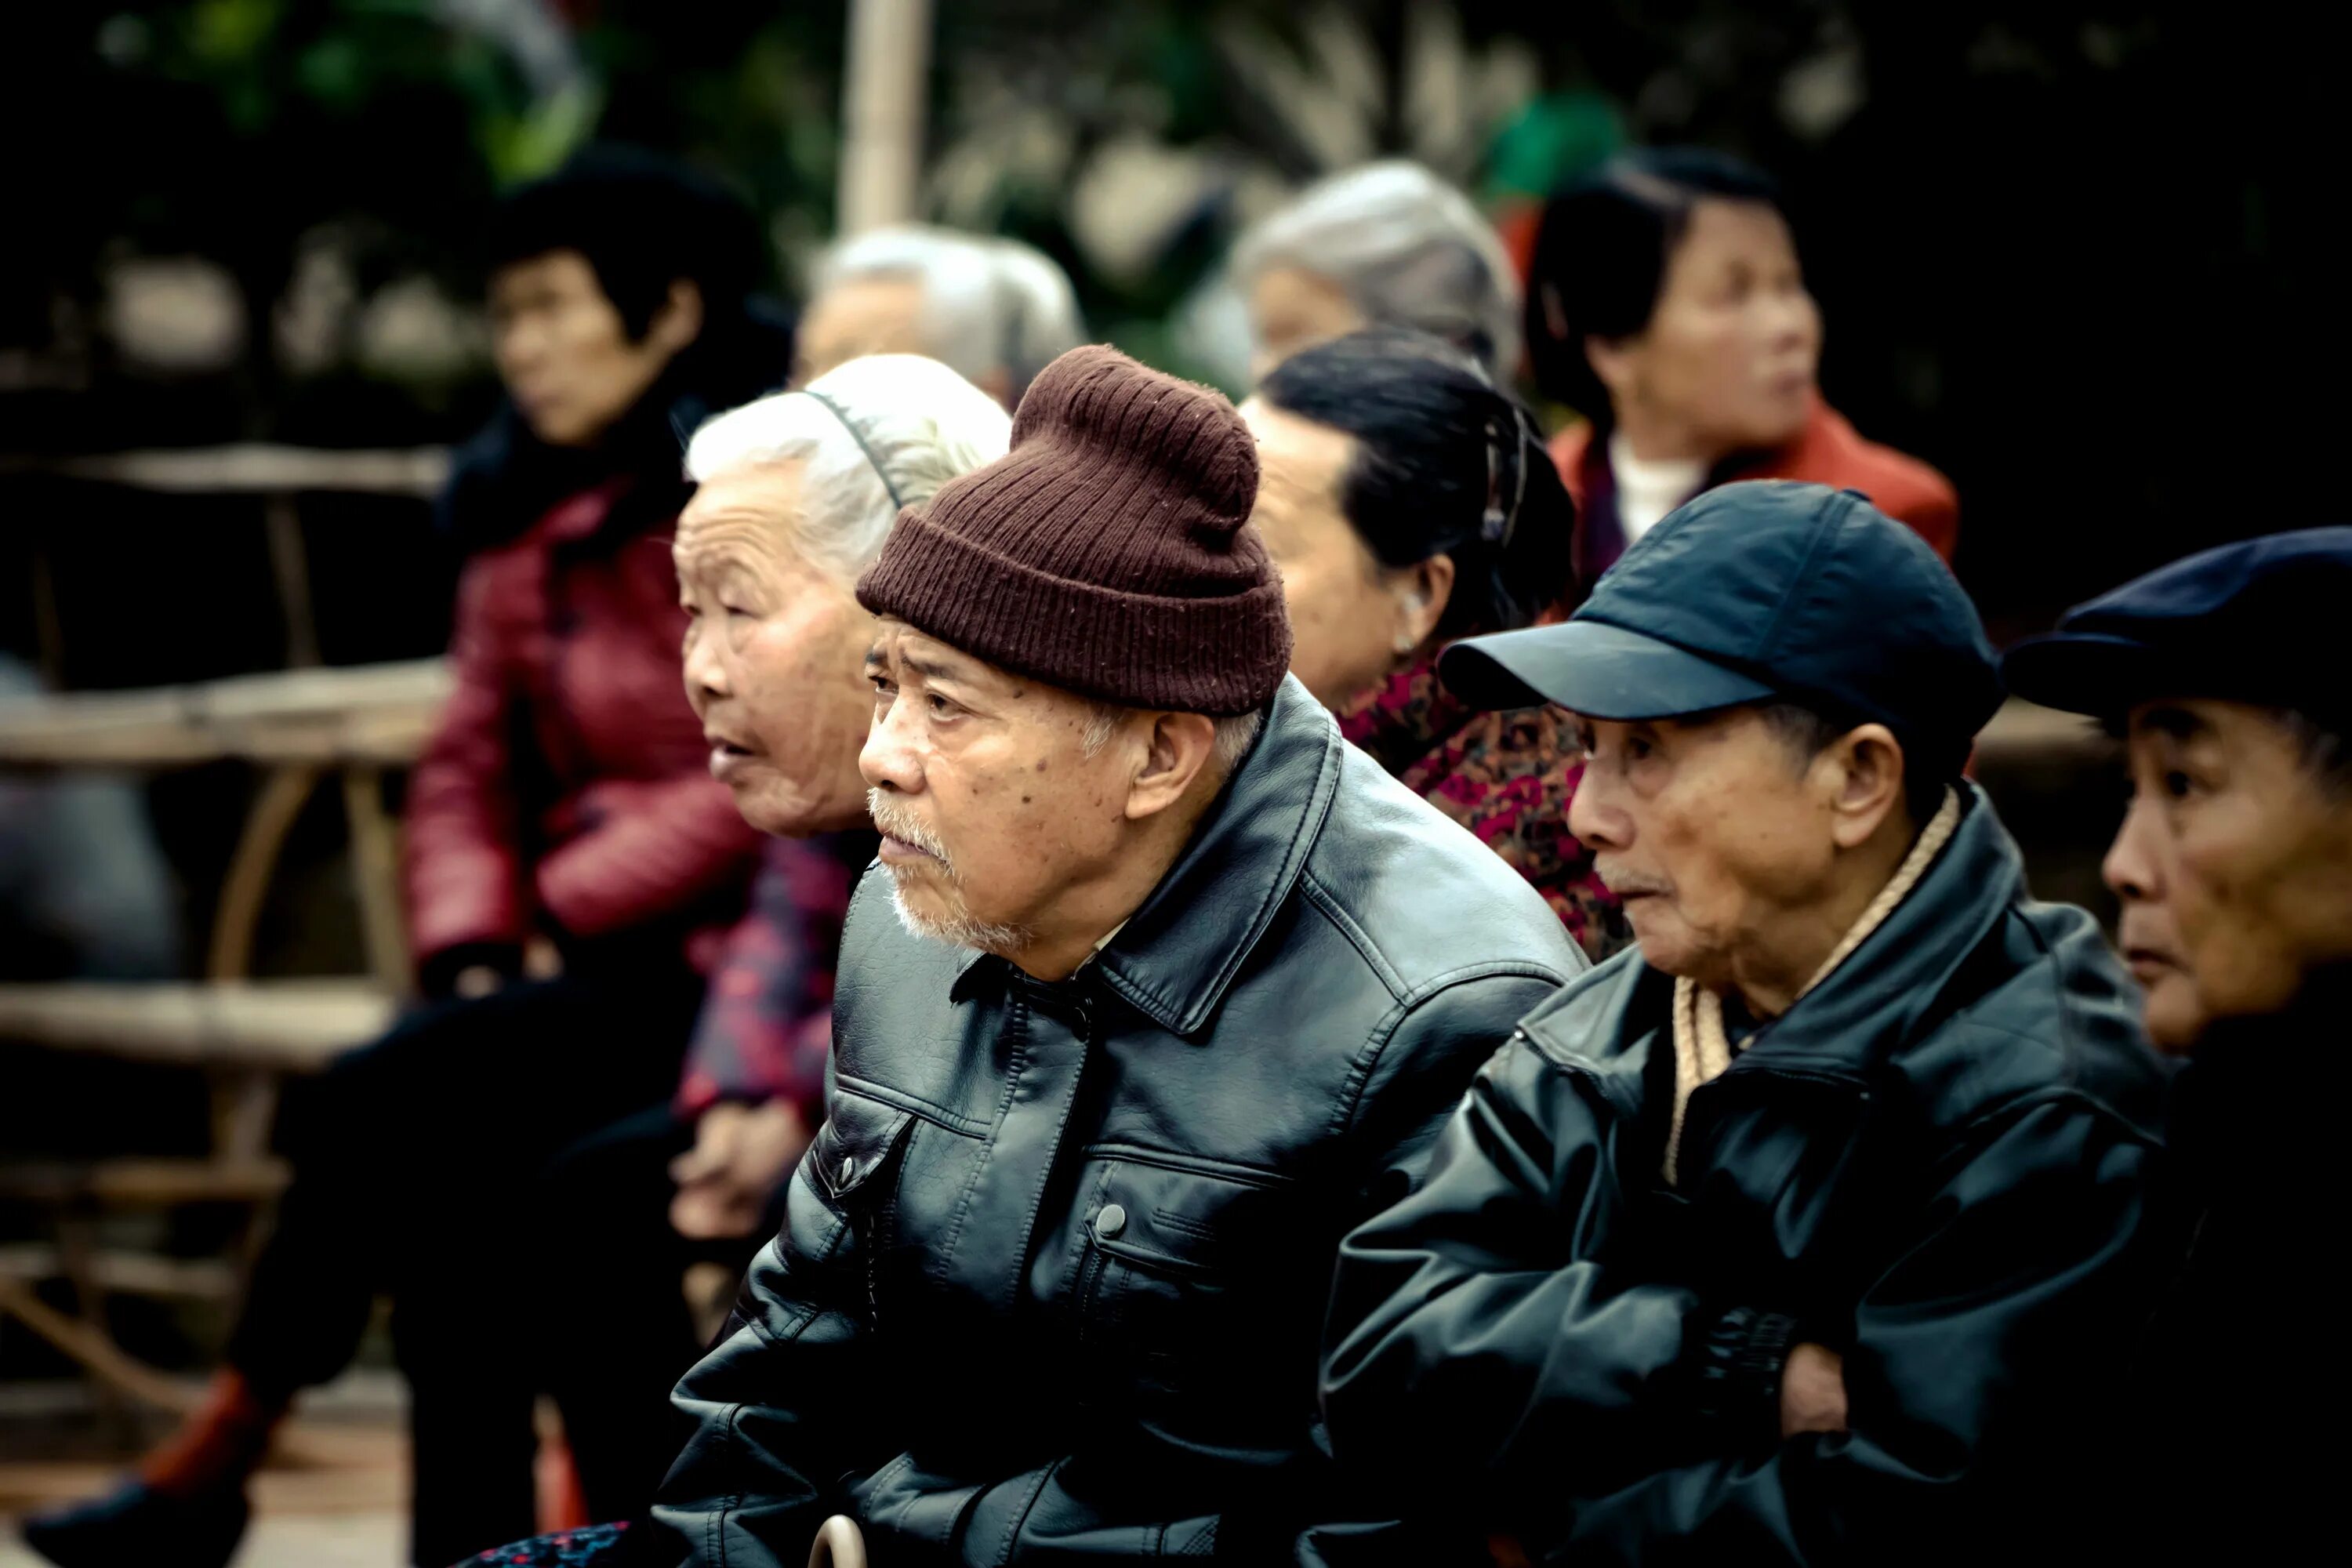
<point x="2084" y="672"/>
<point x="1592" y="669"/>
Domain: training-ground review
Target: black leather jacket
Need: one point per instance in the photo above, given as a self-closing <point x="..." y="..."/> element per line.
<point x="2255" y="1133"/>
<point x="1051" y="1276"/>
<point x="1937" y="1163"/>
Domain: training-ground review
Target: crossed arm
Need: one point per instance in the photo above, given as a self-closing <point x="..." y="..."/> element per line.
<point x="1602" y="1414"/>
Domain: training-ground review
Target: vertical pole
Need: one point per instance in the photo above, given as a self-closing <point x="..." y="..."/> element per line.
<point x="291" y="563"/>
<point x="883" y="81"/>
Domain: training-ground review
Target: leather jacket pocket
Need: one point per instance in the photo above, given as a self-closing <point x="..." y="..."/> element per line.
<point x="1182" y="1279"/>
<point x="857" y="1140"/>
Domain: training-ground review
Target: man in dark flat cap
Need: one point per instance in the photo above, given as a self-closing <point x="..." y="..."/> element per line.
<point x="2224" y="673"/>
<point x="1802" y="1232"/>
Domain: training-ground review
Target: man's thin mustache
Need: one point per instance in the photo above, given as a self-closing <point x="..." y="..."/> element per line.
<point x="894" y="820"/>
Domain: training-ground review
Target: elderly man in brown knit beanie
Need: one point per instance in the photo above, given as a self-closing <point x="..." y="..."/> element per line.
<point x="1177" y="986"/>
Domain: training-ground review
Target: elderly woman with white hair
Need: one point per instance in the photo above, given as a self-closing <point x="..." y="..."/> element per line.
<point x="795" y="494"/>
<point x="994" y="310"/>
<point x="1385" y="245"/>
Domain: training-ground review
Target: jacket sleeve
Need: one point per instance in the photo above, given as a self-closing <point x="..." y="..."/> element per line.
<point x="462" y="851"/>
<point x="1486" y="1307"/>
<point x="766" y="1029"/>
<point x="776" y="1403"/>
<point x="652" y="848"/>
<point x="1975" y="1361"/>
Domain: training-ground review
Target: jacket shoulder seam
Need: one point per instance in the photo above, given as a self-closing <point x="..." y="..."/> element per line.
<point x="1368" y="1061"/>
<point x="1348" y="927"/>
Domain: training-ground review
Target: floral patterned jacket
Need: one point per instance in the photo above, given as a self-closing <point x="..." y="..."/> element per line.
<point x="766" y="1029"/>
<point x="1507" y="777"/>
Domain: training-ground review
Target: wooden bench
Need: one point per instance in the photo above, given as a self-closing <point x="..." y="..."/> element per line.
<point x="245" y="1037"/>
<point x="297" y="726"/>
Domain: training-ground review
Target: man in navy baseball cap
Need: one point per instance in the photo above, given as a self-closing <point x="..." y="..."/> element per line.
<point x="1805" y="1225"/>
<point x="2225" y="675"/>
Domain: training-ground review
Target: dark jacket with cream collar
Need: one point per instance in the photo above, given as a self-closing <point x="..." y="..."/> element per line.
<point x="1051" y="1278"/>
<point x="1936" y="1164"/>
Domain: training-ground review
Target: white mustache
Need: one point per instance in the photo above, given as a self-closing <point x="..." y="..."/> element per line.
<point x="894" y="821"/>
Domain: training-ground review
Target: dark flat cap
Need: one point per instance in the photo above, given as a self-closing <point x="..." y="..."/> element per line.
<point x="2260" y="621"/>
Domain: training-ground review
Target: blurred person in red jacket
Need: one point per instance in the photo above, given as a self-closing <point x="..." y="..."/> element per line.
<point x="565" y="803"/>
<point x="796" y="493"/>
<point x="1666" y="304"/>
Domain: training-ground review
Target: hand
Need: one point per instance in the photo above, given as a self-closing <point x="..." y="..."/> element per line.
<point x="740" y="1153"/>
<point x="1813" y="1391"/>
<point x="476" y="980"/>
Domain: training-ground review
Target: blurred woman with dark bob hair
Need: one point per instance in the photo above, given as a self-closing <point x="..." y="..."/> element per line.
<point x="1666" y="304"/>
<point x="1408" y="503"/>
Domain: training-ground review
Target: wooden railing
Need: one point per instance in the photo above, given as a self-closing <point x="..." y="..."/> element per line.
<point x="298" y="726"/>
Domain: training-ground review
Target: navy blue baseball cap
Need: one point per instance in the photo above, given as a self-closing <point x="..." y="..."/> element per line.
<point x="1762" y="591"/>
<point x="2260" y="621"/>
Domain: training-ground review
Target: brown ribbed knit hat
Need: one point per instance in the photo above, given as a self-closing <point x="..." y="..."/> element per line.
<point x="1105" y="553"/>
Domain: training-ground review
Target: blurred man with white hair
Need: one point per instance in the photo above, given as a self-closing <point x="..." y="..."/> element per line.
<point x="1385" y="245"/>
<point x="797" y="492"/>
<point x="994" y="310"/>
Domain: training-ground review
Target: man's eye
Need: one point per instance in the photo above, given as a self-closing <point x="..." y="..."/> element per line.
<point x="940" y="707"/>
<point x="734" y="609"/>
<point x="2178" y="786"/>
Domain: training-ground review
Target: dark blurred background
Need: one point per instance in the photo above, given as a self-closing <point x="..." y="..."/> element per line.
<point x="2073" y="253"/>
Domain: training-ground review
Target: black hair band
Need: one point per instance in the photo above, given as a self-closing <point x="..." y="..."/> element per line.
<point x="888" y="485"/>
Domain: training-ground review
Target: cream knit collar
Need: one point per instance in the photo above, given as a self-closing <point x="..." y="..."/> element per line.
<point x="1702" y="1050"/>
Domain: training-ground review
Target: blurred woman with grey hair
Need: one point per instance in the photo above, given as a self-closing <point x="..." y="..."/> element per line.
<point x="1386" y="245"/>
<point x="795" y="494"/>
<point x="994" y="310"/>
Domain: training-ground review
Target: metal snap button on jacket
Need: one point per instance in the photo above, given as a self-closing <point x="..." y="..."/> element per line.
<point x="1110" y="1221"/>
<point x="849" y="1168"/>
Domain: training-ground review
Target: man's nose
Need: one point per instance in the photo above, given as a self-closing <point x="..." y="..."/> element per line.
<point x="1594" y="817"/>
<point x="2129" y="870"/>
<point x="887" y="761"/>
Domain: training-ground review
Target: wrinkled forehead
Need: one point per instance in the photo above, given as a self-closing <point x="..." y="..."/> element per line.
<point x="911" y="654"/>
<point x="746" y="516"/>
<point x="913" y="651"/>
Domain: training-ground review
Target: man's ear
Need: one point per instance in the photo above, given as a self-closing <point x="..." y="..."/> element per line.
<point x="678" y="321"/>
<point x="1178" y="752"/>
<point x="1866" y="770"/>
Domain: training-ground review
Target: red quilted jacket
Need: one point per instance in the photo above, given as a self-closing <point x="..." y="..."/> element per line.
<point x="567" y="790"/>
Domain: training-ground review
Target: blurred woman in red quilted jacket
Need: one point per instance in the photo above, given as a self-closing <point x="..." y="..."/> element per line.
<point x="571" y="870"/>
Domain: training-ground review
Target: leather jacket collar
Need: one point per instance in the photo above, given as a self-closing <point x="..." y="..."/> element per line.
<point x="1175" y="956"/>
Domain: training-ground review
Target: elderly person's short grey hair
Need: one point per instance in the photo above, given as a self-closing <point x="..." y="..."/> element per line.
<point x="879" y="434"/>
<point x="990" y="304"/>
<point x="1407" y="248"/>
